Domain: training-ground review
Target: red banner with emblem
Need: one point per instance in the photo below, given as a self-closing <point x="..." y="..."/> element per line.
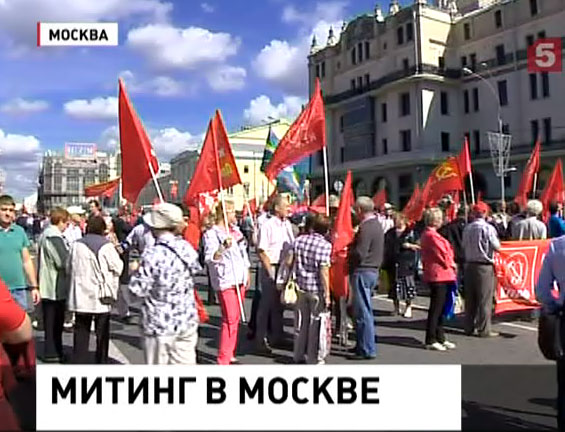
<point x="517" y="267"/>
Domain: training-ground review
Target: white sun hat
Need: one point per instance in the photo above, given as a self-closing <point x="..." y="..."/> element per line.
<point x="163" y="216"/>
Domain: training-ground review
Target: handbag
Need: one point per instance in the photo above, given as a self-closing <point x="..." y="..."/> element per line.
<point x="325" y="340"/>
<point x="289" y="295"/>
<point x="549" y="335"/>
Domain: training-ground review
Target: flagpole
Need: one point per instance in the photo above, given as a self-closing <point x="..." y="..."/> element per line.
<point x="222" y="198"/>
<point x="155" y="182"/>
<point x="535" y="185"/>
<point x="472" y="187"/>
<point x="327" y="180"/>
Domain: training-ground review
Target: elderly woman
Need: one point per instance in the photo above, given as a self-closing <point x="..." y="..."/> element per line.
<point x="94" y="267"/>
<point x="226" y="256"/>
<point x="400" y="263"/>
<point x="531" y="228"/>
<point x="312" y="260"/>
<point x="439" y="273"/>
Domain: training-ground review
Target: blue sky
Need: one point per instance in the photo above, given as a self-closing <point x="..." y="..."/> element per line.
<point x="180" y="59"/>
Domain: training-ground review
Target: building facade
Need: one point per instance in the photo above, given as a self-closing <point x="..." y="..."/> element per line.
<point x="63" y="176"/>
<point x="402" y="91"/>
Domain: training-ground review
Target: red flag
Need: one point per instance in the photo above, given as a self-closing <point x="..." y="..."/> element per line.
<point x="553" y="190"/>
<point x="306" y="136"/>
<point x="136" y="150"/>
<point x="105" y="189"/>
<point x="464" y="161"/>
<point x="251" y="205"/>
<point x="174" y="190"/>
<point x="380" y="199"/>
<point x="443" y="179"/>
<point x="319" y="201"/>
<point x="451" y="213"/>
<point x="412" y="203"/>
<point x="526" y="184"/>
<point x="216" y="163"/>
<point x="342" y="237"/>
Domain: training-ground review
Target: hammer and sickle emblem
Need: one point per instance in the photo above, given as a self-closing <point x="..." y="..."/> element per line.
<point x="445" y="171"/>
<point x="226" y="170"/>
<point x="517" y="266"/>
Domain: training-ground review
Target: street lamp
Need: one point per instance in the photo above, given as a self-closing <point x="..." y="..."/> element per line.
<point x="499" y="148"/>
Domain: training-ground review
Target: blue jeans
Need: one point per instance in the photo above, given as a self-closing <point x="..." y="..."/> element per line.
<point x="23" y="298"/>
<point x="364" y="281"/>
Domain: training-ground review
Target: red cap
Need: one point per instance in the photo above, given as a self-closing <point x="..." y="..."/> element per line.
<point x="481" y="207"/>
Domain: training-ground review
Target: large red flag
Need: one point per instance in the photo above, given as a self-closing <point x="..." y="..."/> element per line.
<point x="319" y="204"/>
<point x="444" y="178"/>
<point x="216" y="157"/>
<point x="553" y="190"/>
<point x="306" y="136"/>
<point x="464" y="161"/>
<point x="412" y="203"/>
<point x="526" y="184"/>
<point x="380" y="199"/>
<point x="137" y="153"/>
<point x="342" y="237"/>
<point x="105" y="189"/>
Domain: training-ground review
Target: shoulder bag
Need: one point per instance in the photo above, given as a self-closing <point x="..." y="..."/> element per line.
<point x="289" y="294"/>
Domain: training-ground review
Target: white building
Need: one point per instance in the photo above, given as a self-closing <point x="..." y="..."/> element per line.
<point x="398" y="100"/>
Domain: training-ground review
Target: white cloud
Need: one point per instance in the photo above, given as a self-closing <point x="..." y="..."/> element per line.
<point x="21" y="106"/>
<point x="207" y="7"/>
<point x="226" y="78"/>
<point x="94" y="109"/>
<point x="166" y="47"/>
<point x="19" y="154"/>
<point x="261" y="108"/>
<point x="284" y="63"/>
<point x="18" y="17"/>
<point x="163" y="86"/>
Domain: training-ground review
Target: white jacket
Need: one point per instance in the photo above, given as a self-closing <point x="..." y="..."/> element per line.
<point x="86" y="279"/>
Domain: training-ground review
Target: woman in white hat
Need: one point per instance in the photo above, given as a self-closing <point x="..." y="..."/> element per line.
<point x="164" y="282"/>
<point x="228" y="262"/>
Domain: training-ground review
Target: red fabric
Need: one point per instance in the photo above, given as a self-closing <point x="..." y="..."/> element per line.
<point x="451" y="213"/>
<point x="252" y="205"/>
<point x="526" y="184"/>
<point x="106" y="189"/>
<point x="380" y="199"/>
<point x="202" y="313"/>
<point x="553" y="190"/>
<point x="410" y="206"/>
<point x="216" y="163"/>
<point x="192" y="234"/>
<point x="174" y="191"/>
<point x="11" y="314"/>
<point x="137" y="152"/>
<point x="443" y="179"/>
<point x="437" y="257"/>
<point x="231" y="315"/>
<point x="8" y="419"/>
<point x="306" y="136"/>
<point x="464" y="160"/>
<point x="481" y="207"/>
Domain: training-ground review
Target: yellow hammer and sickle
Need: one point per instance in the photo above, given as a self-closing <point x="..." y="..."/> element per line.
<point x="226" y="170"/>
<point x="445" y="171"/>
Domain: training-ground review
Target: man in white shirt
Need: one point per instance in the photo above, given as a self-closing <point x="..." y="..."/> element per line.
<point x="73" y="232"/>
<point x="274" y="236"/>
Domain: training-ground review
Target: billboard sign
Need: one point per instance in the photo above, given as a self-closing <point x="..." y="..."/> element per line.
<point x="80" y="151"/>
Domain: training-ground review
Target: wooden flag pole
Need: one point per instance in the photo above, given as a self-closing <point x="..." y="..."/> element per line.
<point x="222" y="198"/>
<point x="326" y="180"/>
<point x="155" y="182"/>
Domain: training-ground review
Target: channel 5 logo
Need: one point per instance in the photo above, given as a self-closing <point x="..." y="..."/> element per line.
<point x="545" y="55"/>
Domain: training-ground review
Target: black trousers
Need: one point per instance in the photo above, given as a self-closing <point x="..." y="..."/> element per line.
<point x="53" y="320"/>
<point x="434" y="328"/>
<point x="561" y="385"/>
<point x="83" y="322"/>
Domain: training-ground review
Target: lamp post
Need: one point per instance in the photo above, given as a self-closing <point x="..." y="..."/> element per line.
<point x="501" y="168"/>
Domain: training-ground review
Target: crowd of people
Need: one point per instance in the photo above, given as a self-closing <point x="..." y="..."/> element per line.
<point x="91" y="264"/>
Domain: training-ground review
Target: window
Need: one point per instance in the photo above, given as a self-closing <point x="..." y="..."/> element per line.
<point x="385" y="146"/>
<point x="317" y="71"/>
<point x="353" y="84"/>
<point x="506" y="129"/>
<point x="477" y="141"/>
<point x="533" y="7"/>
<point x="383" y="112"/>
<point x="400" y="35"/>
<point x="533" y="86"/>
<point x="246" y="169"/>
<point x="406" y="140"/>
<point x="534" y="127"/>
<point x="404" y="104"/>
<point x="360" y="52"/>
<point x="323" y="69"/>
<point x="547" y="130"/>
<point x="353" y="56"/>
<point x="367" y="80"/>
<point x="409" y="32"/>
<point x="541" y="35"/>
<point x="230" y="190"/>
<point x="445" y="141"/>
<point x="342" y="154"/>
<point x="476" y="99"/>
<point x="405" y="65"/>
<point x="341" y="124"/>
<point x="467" y="31"/>
<point x="503" y="93"/>
<point x="405" y="182"/>
<point x="545" y="84"/>
<point x="500" y="55"/>
<point x="463" y="62"/>
<point x="444" y="103"/>
<point x="359" y="82"/>
<point x="498" y="18"/>
<point x="367" y="50"/>
<point x="529" y="40"/>
<point x="473" y="59"/>
<point x="466" y="101"/>
<point x="507" y="181"/>
<point x="441" y="62"/>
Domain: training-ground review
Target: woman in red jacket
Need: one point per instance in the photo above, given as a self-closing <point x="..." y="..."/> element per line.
<point x="439" y="273"/>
